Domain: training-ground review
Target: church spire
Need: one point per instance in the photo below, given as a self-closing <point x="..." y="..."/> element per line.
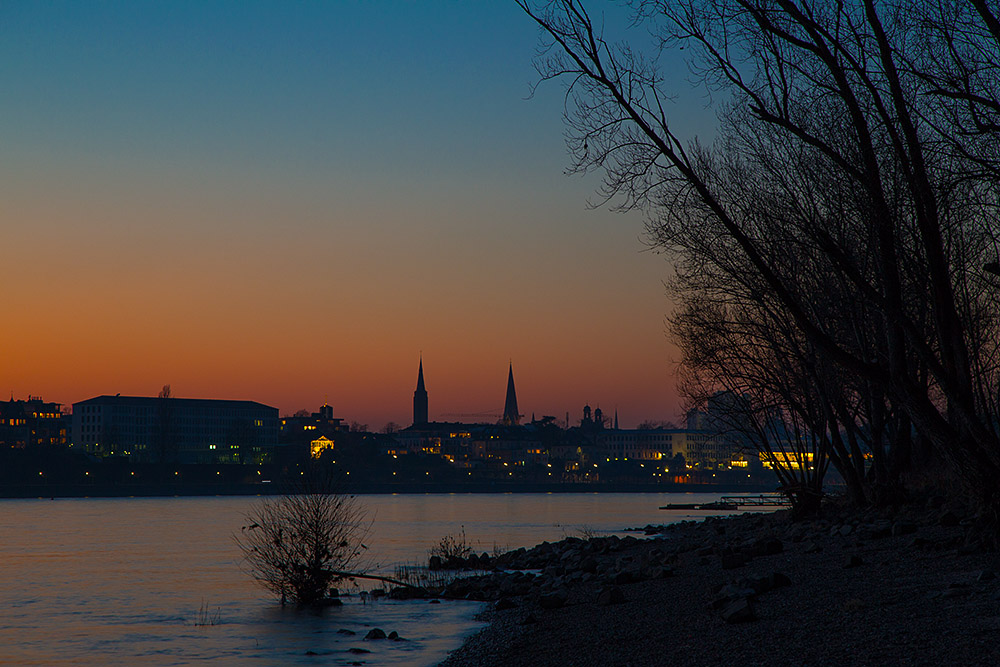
<point x="510" y="414"/>
<point x="420" y="397"/>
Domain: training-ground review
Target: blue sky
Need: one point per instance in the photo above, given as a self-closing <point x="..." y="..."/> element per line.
<point x="291" y="201"/>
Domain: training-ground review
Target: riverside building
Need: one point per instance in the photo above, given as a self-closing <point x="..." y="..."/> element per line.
<point x="31" y="423"/>
<point x="176" y="430"/>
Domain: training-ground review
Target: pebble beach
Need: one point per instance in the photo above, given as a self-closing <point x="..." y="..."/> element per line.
<point x="907" y="586"/>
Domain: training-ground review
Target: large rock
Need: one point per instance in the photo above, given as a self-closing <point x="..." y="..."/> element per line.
<point x="853" y="560"/>
<point x="569" y="554"/>
<point x="769" y="546"/>
<point x="589" y="564"/>
<point x="732" y="560"/>
<point x="375" y="633"/>
<point x="553" y="600"/>
<point x="623" y="577"/>
<point x="738" y="611"/>
<point x="609" y="596"/>
<point x="779" y="580"/>
<point x="948" y="519"/>
<point x="880" y="529"/>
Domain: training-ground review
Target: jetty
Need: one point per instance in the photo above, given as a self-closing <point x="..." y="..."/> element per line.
<point x="732" y="503"/>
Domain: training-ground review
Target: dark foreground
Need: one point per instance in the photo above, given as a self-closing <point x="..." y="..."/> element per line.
<point x="910" y="588"/>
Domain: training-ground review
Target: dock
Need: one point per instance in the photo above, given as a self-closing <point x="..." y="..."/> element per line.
<point x="772" y="500"/>
<point x="732" y="503"/>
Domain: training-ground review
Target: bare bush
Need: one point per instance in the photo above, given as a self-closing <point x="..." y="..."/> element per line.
<point x="207" y="617"/>
<point x="298" y="546"/>
<point x="453" y="547"/>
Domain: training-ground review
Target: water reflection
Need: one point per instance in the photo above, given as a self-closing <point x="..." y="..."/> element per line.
<point x="127" y="580"/>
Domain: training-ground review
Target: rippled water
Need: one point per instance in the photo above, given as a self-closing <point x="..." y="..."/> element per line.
<point x="132" y="580"/>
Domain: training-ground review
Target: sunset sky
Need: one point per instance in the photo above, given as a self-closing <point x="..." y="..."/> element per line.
<point x="291" y="202"/>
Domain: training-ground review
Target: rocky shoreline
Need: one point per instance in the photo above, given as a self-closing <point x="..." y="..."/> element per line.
<point x="910" y="587"/>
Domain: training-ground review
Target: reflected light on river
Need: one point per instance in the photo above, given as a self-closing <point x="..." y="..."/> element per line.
<point x="128" y="580"/>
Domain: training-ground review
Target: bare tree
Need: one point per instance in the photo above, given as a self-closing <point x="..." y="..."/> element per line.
<point x="851" y="193"/>
<point x="299" y="545"/>
<point x="165" y="436"/>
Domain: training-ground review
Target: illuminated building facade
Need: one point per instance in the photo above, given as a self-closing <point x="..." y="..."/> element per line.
<point x="644" y="444"/>
<point x="32" y="423"/>
<point x="181" y="430"/>
<point x="317" y="430"/>
<point x="500" y="445"/>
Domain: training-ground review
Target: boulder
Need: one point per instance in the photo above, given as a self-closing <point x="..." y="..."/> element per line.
<point x="569" y="554"/>
<point x="732" y="560"/>
<point x="853" y="560"/>
<point x="504" y="603"/>
<point x="948" y="519"/>
<point x="622" y="577"/>
<point x="769" y="546"/>
<point x="779" y="580"/>
<point x="553" y="600"/>
<point x="738" y="611"/>
<point x="375" y="633"/>
<point x="609" y="596"/>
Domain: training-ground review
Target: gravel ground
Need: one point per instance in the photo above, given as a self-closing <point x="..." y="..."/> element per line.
<point x="910" y="588"/>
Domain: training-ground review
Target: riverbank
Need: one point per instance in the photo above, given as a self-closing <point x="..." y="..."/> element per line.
<point x="166" y="489"/>
<point x="914" y="587"/>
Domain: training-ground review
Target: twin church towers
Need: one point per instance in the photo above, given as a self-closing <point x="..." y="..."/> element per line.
<point x="511" y="416"/>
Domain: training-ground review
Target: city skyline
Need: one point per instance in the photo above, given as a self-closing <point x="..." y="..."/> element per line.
<point x="421" y="413"/>
<point x="291" y="204"/>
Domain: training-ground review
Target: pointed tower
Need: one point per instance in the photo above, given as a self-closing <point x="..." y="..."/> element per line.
<point x="420" y="398"/>
<point x="510" y="414"/>
<point x="616" y="419"/>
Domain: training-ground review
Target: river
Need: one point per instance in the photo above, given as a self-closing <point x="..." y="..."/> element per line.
<point x="158" y="581"/>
